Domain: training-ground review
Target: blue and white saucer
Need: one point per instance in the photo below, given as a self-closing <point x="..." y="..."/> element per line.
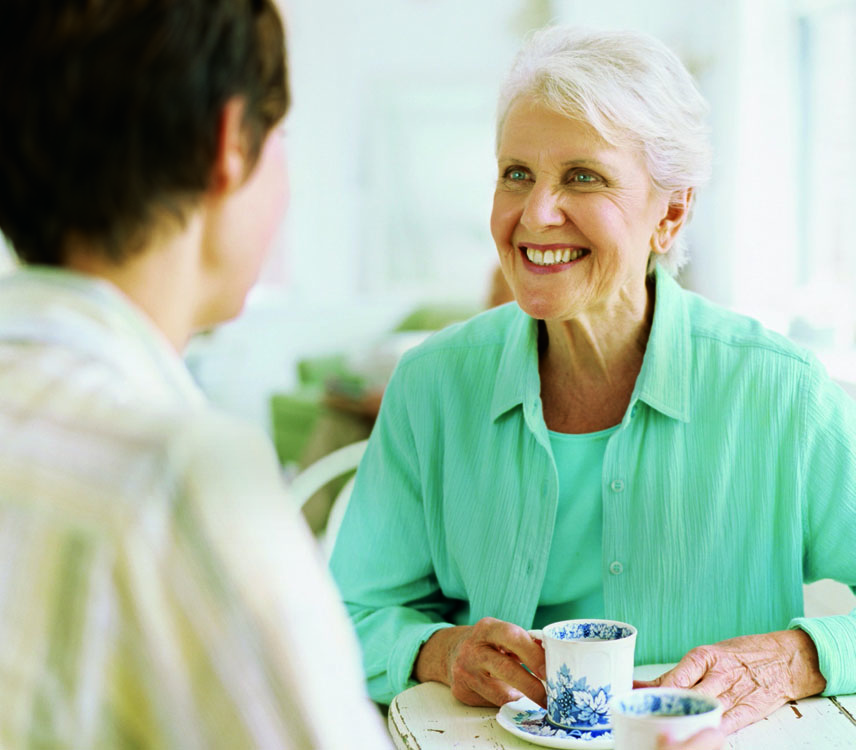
<point x="528" y="721"/>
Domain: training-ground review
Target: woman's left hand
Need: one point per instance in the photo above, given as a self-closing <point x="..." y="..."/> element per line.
<point x="752" y="675"/>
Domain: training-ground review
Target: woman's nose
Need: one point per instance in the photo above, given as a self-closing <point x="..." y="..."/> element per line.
<point x="542" y="209"/>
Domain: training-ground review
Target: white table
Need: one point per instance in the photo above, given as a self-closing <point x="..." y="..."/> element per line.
<point x="427" y="717"/>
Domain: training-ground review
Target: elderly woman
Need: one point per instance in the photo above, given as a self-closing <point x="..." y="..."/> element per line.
<point x="610" y="445"/>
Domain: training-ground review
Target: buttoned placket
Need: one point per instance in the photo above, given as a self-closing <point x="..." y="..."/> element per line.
<point x="616" y="493"/>
<point x="539" y="531"/>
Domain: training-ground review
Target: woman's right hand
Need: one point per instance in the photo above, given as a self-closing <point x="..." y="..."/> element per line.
<point x="483" y="663"/>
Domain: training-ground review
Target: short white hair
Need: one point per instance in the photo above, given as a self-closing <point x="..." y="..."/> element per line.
<point x="632" y="90"/>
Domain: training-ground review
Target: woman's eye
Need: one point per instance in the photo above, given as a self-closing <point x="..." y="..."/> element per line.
<point x="584" y="178"/>
<point x="515" y="175"/>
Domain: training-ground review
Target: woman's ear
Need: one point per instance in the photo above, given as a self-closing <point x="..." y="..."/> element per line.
<point x="677" y="213"/>
<point x="230" y="164"/>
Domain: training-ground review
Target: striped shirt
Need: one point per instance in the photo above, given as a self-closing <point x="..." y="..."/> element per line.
<point x="157" y="588"/>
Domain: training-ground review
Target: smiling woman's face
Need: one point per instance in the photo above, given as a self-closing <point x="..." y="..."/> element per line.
<point x="574" y="218"/>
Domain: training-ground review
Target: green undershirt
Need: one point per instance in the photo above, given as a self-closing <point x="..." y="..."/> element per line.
<point x="573" y="585"/>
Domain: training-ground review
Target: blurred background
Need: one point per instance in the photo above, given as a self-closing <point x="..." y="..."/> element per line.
<point x="390" y="144"/>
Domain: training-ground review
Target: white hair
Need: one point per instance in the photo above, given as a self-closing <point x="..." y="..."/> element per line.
<point x="632" y="90"/>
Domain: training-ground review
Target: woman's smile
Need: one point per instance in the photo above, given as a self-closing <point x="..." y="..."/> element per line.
<point x="551" y="258"/>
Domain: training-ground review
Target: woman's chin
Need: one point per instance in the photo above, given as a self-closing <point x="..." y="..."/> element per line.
<point x="542" y="309"/>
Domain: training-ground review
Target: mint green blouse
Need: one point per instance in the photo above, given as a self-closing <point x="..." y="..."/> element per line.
<point x="573" y="583"/>
<point x="730" y="480"/>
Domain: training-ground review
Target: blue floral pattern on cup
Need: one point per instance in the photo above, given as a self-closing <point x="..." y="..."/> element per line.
<point x="573" y="703"/>
<point x="582" y="631"/>
<point x="654" y="704"/>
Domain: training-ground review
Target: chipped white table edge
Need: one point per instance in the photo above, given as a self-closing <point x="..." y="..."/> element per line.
<point x="427" y="717"/>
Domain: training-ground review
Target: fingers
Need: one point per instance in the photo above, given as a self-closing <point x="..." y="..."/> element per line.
<point x="505" y="668"/>
<point x="478" y="688"/>
<point x="689" y="671"/>
<point x="742" y="715"/>
<point x="709" y="739"/>
<point x="482" y="691"/>
<point x="722" y="687"/>
<point x="646" y="683"/>
<point x="744" y="696"/>
<point x="487" y="669"/>
<point x="517" y="642"/>
<point x="495" y="682"/>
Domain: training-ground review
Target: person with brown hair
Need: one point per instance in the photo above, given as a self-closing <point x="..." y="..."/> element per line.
<point x="158" y="588"/>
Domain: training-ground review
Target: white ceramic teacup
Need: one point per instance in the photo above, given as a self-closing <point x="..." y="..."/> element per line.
<point x="588" y="662"/>
<point x="639" y="717"/>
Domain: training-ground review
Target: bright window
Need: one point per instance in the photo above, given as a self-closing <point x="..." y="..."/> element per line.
<point x="784" y="183"/>
<point x="826" y="188"/>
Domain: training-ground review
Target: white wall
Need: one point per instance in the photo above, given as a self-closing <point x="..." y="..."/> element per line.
<point x="391" y="146"/>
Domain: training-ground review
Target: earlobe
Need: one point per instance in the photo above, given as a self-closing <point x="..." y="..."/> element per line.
<point x="230" y="164"/>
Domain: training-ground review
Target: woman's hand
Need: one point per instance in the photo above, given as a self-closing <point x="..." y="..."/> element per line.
<point x="709" y="739"/>
<point x="752" y="675"/>
<point x="482" y="663"/>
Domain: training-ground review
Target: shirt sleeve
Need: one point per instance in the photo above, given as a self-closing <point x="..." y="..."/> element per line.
<point x="275" y="650"/>
<point x="829" y="476"/>
<point x="382" y="559"/>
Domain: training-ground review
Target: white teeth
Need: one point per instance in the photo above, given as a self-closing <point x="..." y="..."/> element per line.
<point x="552" y="257"/>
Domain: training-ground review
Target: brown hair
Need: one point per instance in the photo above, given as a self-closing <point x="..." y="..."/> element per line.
<point x="109" y="112"/>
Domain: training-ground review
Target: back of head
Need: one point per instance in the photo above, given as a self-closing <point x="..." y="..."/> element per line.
<point x="631" y="89"/>
<point x="110" y="109"/>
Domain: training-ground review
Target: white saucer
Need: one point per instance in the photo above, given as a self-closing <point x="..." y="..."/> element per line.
<point x="528" y="721"/>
